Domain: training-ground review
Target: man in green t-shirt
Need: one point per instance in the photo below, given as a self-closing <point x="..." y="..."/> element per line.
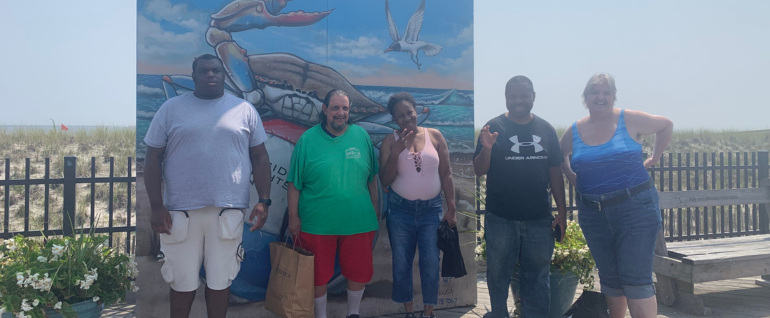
<point x="333" y="199"/>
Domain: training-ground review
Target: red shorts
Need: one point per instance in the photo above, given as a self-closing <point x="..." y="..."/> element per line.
<point x="355" y="255"/>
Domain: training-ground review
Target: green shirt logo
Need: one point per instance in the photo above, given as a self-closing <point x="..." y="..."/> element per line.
<point x="352" y="153"/>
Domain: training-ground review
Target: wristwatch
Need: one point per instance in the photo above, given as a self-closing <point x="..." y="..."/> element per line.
<point x="265" y="201"/>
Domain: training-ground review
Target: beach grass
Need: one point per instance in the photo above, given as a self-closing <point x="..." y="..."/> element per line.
<point x="100" y="143"/>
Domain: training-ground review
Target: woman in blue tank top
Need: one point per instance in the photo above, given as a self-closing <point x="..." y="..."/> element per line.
<point x="617" y="202"/>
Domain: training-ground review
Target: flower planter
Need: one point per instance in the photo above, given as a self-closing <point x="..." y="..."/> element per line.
<point x="563" y="289"/>
<point x="84" y="309"/>
<point x="82" y="267"/>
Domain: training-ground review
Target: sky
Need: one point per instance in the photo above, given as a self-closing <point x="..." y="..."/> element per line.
<point x="704" y="64"/>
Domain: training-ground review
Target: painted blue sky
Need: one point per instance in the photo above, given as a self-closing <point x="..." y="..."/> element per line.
<point x="352" y="39"/>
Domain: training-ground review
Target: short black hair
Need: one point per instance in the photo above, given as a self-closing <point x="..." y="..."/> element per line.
<point x="520" y="79"/>
<point x="205" y="57"/>
<point x="328" y="99"/>
<point x="400" y="97"/>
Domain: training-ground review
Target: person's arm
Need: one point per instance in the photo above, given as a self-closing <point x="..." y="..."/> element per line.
<point x="566" y="150"/>
<point x="153" y="174"/>
<point x="292" y="197"/>
<point x="260" y="170"/>
<point x="557" y="190"/>
<point x="481" y="162"/>
<point x="445" y="173"/>
<point x="375" y="196"/>
<point x="388" y="165"/>
<point x="644" y="124"/>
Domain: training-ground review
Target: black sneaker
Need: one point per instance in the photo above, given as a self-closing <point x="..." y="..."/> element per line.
<point x="432" y="315"/>
<point x="409" y="315"/>
<point x="354" y="316"/>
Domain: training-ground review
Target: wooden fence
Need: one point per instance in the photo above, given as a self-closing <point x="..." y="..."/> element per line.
<point x="69" y="215"/>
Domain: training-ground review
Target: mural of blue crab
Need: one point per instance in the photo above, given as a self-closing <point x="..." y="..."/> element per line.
<point x="288" y="93"/>
<point x="279" y="84"/>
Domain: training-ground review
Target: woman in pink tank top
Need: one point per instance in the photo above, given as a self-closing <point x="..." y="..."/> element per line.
<point x="414" y="163"/>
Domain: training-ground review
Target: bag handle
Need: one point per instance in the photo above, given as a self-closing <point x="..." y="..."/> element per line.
<point x="294" y="241"/>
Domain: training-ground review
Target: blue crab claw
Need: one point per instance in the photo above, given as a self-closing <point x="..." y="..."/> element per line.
<point x="175" y="85"/>
<point x="243" y="15"/>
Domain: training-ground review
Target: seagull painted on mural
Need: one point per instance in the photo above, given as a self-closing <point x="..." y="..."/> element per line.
<point x="410" y="44"/>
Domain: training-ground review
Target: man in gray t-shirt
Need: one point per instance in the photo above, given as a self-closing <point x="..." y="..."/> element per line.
<point x="203" y="146"/>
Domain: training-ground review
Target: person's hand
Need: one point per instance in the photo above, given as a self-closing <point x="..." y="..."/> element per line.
<point x="451" y="218"/>
<point x="487" y="139"/>
<point x="649" y="163"/>
<point x="161" y="221"/>
<point x="401" y="144"/>
<point x="295" y="226"/>
<point x="561" y="220"/>
<point x="260" y="211"/>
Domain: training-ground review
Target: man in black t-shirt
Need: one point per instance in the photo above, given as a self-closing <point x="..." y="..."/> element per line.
<point x="519" y="152"/>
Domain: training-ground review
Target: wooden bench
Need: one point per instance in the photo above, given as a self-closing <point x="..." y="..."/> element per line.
<point x="679" y="266"/>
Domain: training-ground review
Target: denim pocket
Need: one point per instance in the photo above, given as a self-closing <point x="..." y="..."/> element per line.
<point x="645" y="197"/>
<point x="435" y="202"/>
<point x="230" y="224"/>
<point x="179" y="221"/>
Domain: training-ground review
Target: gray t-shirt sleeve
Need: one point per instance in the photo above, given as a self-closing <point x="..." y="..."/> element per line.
<point x="258" y="135"/>
<point x="157" y="134"/>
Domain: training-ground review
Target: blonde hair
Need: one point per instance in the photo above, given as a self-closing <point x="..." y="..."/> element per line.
<point x="600" y="78"/>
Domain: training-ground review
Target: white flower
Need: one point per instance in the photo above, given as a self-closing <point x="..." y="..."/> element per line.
<point x="134" y="288"/>
<point x="133" y="272"/>
<point x="53" y="259"/>
<point x="35" y="303"/>
<point x="117" y="267"/>
<point x="2" y="310"/>
<point x="57" y="306"/>
<point x="57" y="250"/>
<point x="96" y="299"/>
<point x="25" y="306"/>
<point x="44" y="284"/>
<point x="42" y="259"/>
<point x="90" y="277"/>
<point x="11" y="245"/>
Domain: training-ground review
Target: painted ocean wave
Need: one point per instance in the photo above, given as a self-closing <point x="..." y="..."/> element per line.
<point x="146" y="90"/>
<point x="451" y="97"/>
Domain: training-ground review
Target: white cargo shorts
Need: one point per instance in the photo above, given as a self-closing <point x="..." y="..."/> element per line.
<point x="210" y="236"/>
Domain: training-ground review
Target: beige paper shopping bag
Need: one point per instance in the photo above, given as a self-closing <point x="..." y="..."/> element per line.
<point x="290" y="292"/>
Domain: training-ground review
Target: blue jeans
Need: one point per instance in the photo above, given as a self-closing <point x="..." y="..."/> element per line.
<point x="411" y="225"/>
<point x="622" y="240"/>
<point x="529" y="243"/>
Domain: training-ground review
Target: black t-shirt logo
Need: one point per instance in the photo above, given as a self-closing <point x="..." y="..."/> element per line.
<point x="535" y="142"/>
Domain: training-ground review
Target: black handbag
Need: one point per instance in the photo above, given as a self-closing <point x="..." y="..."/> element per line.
<point x="590" y="304"/>
<point x="453" y="264"/>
